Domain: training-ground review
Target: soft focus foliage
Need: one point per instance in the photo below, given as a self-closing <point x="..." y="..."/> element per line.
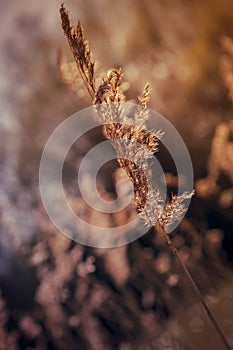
<point x="56" y="294"/>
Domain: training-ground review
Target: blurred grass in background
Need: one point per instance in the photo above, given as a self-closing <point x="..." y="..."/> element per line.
<point x="57" y="294"/>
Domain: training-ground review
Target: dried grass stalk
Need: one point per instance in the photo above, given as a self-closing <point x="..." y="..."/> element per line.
<point x="147" y="200"/>
<point x="80" y="50"/>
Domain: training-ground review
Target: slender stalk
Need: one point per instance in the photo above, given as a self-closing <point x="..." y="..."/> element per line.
<point x="108" y="91"/>
<point x="211" y="317"/>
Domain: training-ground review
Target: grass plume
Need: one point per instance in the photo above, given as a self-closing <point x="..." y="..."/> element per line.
<point x="147" y="200"/>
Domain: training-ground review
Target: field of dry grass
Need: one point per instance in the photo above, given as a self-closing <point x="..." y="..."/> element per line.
<point x="57" y="294"/>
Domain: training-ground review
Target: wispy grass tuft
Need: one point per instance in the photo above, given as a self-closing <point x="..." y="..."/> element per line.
<point x="147" y="200"/>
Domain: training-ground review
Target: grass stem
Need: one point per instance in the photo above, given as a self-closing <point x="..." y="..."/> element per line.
<point x="211" y="317"/>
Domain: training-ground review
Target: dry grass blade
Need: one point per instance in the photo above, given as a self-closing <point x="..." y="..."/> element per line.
<point x="144" y="98"/>
<point x="80" y="50"/>
<point x="106" y="98"/>
<point x="143" y="113"/>
<point x="174" y="209"/>
<point x="109" y="89"/>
